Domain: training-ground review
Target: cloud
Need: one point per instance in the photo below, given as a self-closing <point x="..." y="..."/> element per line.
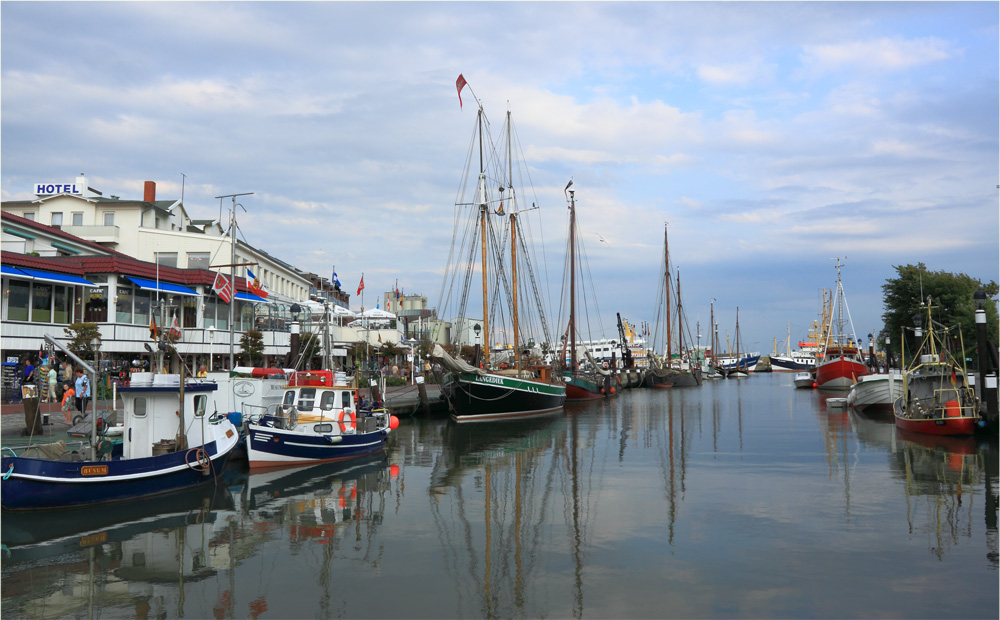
<point x="878" y="54"/>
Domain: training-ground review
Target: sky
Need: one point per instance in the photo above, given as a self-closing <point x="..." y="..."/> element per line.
<point x="772" y="138"/>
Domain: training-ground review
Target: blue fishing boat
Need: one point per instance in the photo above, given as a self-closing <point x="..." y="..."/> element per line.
<point x="170" y="442"/>
<point x="320" y="419"/>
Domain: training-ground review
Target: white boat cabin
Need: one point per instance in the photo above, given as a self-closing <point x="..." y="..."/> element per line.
<point x="154" y="416"/>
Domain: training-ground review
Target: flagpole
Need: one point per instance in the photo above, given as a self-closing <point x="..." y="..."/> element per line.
<point x="232" y="271"/>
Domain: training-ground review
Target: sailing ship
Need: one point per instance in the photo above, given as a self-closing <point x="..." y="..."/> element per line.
<point x="739" y="365"/>
<point x="937" y="398"/>
<point x="527" y="386"/>
<point x="841" y="364"/>
<point x="589" y="380"/>
<point x="666" y="371"/>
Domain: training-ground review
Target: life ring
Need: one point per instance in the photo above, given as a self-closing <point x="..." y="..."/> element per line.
<point x="347" y="421"/>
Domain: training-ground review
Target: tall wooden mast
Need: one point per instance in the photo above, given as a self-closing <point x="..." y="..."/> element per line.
<point x="482" y="233"/>
<point x="571" y="335"/>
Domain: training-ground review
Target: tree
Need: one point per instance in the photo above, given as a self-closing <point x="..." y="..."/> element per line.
<point x="951" y="299"/>
<point x="80" y="335"/>
<point x="252" y="345"/>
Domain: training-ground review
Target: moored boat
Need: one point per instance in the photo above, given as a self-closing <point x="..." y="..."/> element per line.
<point x="936" y="396"/>
<point x="803" y="380"/>
<point x="170" y="442"/>
<point x="318" y="420"/>
<point x="527" y="386"/>
<point x="875" y="394"/>
<point x="841" y="364"/>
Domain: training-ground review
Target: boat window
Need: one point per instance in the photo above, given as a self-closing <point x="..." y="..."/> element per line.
<point x="347" y="400"/>
<point x="323" y="428"/>
<point x="200" y="403"/>
<point x="307" y="399"/>
<point x="289" y="398"/>
<point x="329" y="401"/>
<point x="139" y="407"/>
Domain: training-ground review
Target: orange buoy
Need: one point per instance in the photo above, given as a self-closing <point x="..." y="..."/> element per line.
<point x="393" y="422"/>
<point x="952" y="409"/>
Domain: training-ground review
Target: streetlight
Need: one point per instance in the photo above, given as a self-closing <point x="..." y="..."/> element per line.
<point x="477" y="328"/>
<point x="211" y="346"/>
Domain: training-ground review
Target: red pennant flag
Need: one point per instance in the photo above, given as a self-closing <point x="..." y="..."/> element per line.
<point x="361" y="286"/>
<point x="152" y="328"/>
<point x="460" y="84"/>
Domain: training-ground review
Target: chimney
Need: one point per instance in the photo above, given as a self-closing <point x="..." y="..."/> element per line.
<point x="149" y="191"/>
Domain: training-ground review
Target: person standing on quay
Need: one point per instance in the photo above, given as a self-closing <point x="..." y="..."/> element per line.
<point x="82" y="391"/>
<point x="51" y="395"/>
<point x="69" y="395"/>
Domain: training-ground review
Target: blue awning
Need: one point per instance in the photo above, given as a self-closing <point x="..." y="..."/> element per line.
<point x="13" y="272"/>
<point x="250" y="297"/>
<point x="165" y="287"/>
<point x="58" y="278"/>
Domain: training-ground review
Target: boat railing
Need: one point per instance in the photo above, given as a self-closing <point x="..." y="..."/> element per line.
<point x="57" y="450"/>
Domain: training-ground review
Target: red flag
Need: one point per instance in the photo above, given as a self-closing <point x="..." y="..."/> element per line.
<point x="153" y="331"/>
<point x="175" y="329"/>
<point x="460" y="84"/>
<point x="361" y="286"/>
<point x="223" y="288"/>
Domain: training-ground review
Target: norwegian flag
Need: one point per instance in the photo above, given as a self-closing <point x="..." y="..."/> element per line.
<point x="223" y="288"/>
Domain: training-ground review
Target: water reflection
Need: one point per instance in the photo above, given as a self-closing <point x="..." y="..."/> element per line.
<point x="58" y="564"/>
<point x="606" y="510"/>
<point x="941" y="476"/>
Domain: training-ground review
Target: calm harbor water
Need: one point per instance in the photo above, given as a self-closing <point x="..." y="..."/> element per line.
<point x="741" y="498"/>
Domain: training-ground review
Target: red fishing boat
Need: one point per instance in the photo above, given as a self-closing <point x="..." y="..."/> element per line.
<point x="841" y="364"/>
<point x="937" y="398"/>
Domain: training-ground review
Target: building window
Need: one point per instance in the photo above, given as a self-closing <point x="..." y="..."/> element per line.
<point x="142" y="300"/>
<point x="62" y="302"/>
<point x="96" y="307"/>
<point x="123" y="305"/>
<point x="30" y="215"/>
<point x="109" y="218"/>
<point x="41" y="303"/>
<point x="199" y="260"/>
<point x="57" y="219"/>
<point x="78" y="218"/>
<point x="18" y="301"/>
<point x="209" y="318"/>
<point x="167" y="259"/>
<point x="190" y="312"/>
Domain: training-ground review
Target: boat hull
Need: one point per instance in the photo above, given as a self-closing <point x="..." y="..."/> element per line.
<point x="473" y="397"/>
<point x="938" y="426"/>
<point x="839" y="374"/>
<point x="584" y="387"/>
<point x="41" y="484"/>
<point x="270" y="446"/>
<point x="657" y="378"/>
<point x="790" y="364"/>
<point x="875" y="394"/>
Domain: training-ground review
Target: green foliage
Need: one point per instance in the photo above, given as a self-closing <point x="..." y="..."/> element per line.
<point x="80" y="335"/>
<point x="951" y="296"/>
<point x="252" y="346"/>
<point x="395" y="381"/>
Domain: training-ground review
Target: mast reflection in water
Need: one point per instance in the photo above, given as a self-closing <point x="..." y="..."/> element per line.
<point x="734" y="499"/>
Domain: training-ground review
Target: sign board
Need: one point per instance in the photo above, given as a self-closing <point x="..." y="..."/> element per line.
<point x="338" y="352"/>
<point x="57" y="188"/>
